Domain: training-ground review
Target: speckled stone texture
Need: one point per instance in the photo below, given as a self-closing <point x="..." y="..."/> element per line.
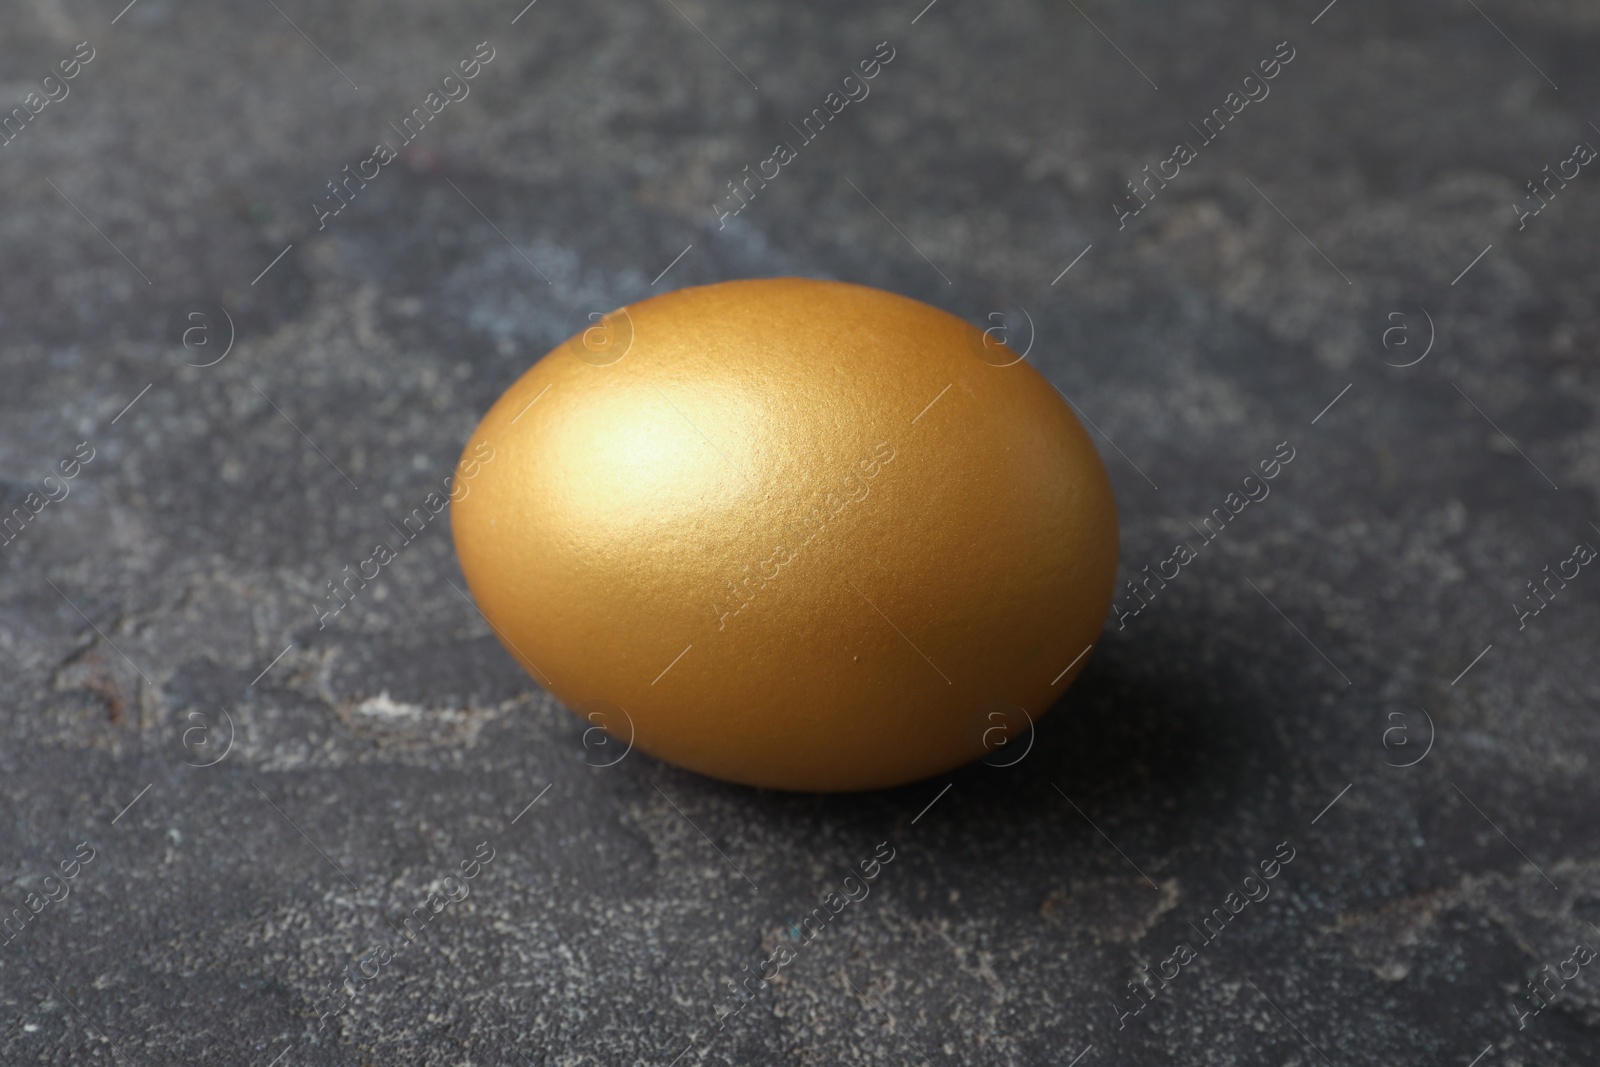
<point x="299" y="789"/>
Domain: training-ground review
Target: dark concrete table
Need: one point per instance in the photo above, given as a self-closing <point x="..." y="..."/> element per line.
<point x="238" y="803"/>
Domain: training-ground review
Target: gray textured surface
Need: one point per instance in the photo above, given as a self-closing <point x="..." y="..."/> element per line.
<point x="191" y="550"/>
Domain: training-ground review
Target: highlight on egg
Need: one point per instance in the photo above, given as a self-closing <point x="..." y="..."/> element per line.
<point x="792" y="533"/>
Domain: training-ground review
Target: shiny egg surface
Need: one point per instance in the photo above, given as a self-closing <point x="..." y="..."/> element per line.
<point x="791" y="533"/>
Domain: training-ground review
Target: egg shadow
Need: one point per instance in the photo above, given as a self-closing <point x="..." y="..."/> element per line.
<point x="1122" y="743"/>
<point x="1171" y="750"/>
<point x="1119" y="732"/>
<point x="1161" y="750"/>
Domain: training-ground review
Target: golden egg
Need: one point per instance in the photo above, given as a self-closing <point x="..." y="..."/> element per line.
<point x="791" y="533"/>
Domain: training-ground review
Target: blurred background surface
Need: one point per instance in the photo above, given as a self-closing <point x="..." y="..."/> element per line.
<point x="1383" y="255"/>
